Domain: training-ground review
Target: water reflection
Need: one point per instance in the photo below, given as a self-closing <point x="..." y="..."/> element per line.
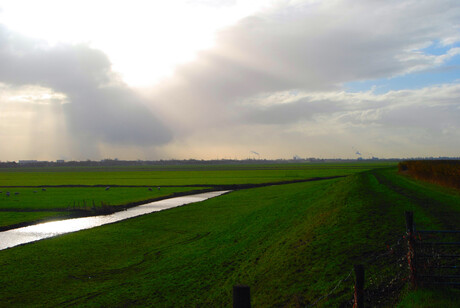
<point x="33" y="233"/>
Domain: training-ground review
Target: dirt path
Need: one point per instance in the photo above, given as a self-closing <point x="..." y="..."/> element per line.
<point x="444" y="214"/>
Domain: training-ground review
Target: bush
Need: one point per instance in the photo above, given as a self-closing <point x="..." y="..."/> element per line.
<point x="442" y="172"/>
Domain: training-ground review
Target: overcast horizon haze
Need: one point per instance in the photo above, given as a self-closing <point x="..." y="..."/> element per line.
<point x="205" y="79"/>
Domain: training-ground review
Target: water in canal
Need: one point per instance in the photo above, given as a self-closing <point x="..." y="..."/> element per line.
<point x="33" y="233"/>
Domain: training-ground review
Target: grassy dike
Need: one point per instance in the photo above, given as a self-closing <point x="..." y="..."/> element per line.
<point x="291" y="244"/>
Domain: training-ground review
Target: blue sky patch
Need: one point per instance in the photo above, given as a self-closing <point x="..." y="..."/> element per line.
<point x="449" y="72"/>
<point x="437" y="49"/>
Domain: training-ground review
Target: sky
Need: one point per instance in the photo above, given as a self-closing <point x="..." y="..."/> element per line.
<point x="229" y="79"/>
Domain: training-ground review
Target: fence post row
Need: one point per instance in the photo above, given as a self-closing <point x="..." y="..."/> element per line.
<point x="359" y="286"/>
<point x="241" y="293"/>
<point x="410" y="233"/>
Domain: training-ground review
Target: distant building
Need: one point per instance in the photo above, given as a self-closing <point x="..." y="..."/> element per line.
<point x="60" y="161"/>
<point x="23" y="162"/>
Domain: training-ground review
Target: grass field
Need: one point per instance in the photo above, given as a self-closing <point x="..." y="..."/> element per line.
<point x="28" y="194"/>
<point x="29" y="204"/>
<point x="178" y="175"/>
<point x="79" y="197"/>
<point x="291" y="244"/>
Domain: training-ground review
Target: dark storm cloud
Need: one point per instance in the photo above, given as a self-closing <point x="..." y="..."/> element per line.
<point x="101" y="108"/>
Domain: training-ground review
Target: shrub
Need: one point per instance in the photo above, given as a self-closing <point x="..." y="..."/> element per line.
<point x="442" y="172"/>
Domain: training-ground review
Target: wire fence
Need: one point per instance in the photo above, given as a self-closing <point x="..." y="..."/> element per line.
<point x="380" y="277"/>
<point x="331" y="291"/>
<point x="438" y="255"/>
<point x="421" y="257"/>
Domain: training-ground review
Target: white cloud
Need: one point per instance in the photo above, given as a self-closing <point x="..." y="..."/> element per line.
<point x="30" y="95"/>
<point x="282" y="71"/>
<point x="405" y="123"/>
<point x="272" y="83"/>
<point x="98" y="107"/>
<point x="143" y="39"/>
<point x="316" y="46"/>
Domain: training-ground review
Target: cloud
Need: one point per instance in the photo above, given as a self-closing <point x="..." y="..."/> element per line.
<point x="430" y="109"/>
<point x="100" y="108"/>
<point x="272" y="83"/>
<point x="419" y="121"/>
<point x="212" y="3"/>
<point x="404" y="123"/>
<point x="314" y="48"/>
<point x="288" y="113"/>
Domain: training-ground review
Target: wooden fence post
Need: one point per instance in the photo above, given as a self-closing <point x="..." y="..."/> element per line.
<point x="241" y="297"/>
<point x="411" y="254"/>
<point x="359" y="286"/>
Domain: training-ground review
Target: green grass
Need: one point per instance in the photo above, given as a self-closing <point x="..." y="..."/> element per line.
<point x="428" y="298"/>
<point x="178" y="253"/>
<point x="80" y="197"/>
<point x="71" y="198"/>
<point x="291" y="244"/>
<point x="177" y="175"/>
<point x="31" y="204"/>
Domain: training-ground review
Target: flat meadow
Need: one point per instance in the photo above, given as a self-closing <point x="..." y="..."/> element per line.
<point x="56" y="192"/>
<point x="179" y="175"/>
<point x="32" y="204"/>
<point x="293" y="244"/>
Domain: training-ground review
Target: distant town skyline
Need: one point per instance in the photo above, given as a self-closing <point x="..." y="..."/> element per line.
<point x="213" y="79"/>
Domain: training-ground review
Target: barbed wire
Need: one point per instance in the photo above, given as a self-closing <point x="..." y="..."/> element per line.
<point x="332" y="290"/>
<point x="389" y="250"/>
